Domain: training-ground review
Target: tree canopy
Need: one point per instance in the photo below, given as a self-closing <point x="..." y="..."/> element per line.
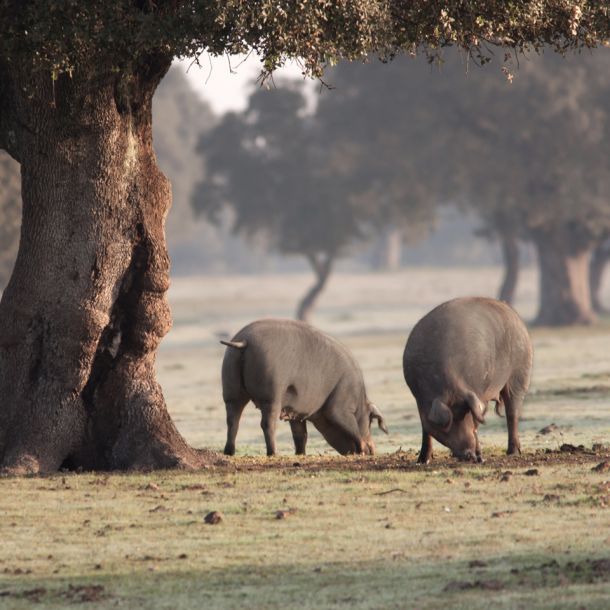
<point x="66" y="35"/>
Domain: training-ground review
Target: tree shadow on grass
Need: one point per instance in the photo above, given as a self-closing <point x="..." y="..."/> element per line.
<point x="537" y="580"/>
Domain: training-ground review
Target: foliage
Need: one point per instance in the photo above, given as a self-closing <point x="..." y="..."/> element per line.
<point x="66" y="35"/>
<point x="395" y="151"/>
<point x="533" y="155"/>
<point x="278" y="172"/>
<point x="10" y="215"/>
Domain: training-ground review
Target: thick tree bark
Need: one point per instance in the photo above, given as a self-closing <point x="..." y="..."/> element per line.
<point x="85" y="309"/>
<point x="322" y="266"/>
<point x="599" y="262"/>
<point x="563" y="259"/>
<point x="510" y="258"/>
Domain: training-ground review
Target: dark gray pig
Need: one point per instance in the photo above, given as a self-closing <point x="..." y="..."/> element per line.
<point x="292" y="371"/>
<point x="458" y="357"/>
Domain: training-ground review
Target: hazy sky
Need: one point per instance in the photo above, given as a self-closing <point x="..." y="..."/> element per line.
<point x="226" y="85"/>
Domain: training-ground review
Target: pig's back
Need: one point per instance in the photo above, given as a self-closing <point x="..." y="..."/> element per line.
<point x="287" y="356"/>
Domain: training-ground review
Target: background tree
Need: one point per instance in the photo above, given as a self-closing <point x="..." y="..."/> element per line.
<point x="395" y="174"/>
<point x="10" y="215"/>
<point x="599" y="263"/>
<point x="85" y="309"/>
<point x="535" y="167"/>
<point x="284" y="181"/>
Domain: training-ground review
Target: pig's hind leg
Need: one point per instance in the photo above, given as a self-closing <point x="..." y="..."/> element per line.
<point x="299" y="435"/>
<point x="270" y="413"/>
<point x="234" y="410"/>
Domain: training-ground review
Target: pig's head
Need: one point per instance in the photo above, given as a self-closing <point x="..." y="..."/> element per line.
<point x="456" y="426"/>
<point x="343" y="440"/>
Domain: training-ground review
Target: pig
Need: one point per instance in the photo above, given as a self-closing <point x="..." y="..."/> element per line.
<point x="461" y="355"/>
<point x="292" y="371"/>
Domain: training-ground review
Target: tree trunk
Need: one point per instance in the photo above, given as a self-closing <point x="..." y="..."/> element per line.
<point x="510" y="257"/>
<point x="599" y="261"/>
<point x="85" y="309"/>
<point x="322" y="266"/>
<point x="392" y="249"/>
<point x="565" y="296"/>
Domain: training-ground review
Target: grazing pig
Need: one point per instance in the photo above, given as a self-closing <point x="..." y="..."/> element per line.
<point x="292" y="371"/>
<point x="458" y="357"/>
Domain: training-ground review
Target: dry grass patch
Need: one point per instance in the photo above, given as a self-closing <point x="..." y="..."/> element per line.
<point x="408" y="537"/>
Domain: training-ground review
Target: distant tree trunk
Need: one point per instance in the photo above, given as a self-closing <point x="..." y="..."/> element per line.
<point x="322" y="267"/>
<point x="510" y="258"/>
<point x="85" y="308"/>
<point x="565" y="295"/>
<point x="387" y="253"/>
<point x="599" y="261"/>
<point x="392" y="251"/>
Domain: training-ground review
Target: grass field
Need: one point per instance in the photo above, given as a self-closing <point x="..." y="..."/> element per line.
<point x="324" y="531"/>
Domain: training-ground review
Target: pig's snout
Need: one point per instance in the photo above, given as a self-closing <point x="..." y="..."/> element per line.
<point x="469" y="456"/>
<point x="367" y="447"/>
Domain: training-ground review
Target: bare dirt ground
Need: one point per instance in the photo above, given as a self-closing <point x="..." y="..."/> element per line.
<point x="406" y="461"/>
<point x="326" y="531"/>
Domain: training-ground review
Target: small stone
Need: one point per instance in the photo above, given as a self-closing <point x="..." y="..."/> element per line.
<point x="548" y="429"/>
<point x="602" y="467"/>
<point x="532" y="472"/>
<point x="213" y="518"/>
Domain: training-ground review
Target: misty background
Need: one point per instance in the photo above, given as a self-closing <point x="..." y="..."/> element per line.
<point x="387" y="167"/>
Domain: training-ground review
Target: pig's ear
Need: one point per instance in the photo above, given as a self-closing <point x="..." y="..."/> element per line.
<point x="477" y="408"/>
<point x="440" y="415"/>
<point x="375" y="414"/>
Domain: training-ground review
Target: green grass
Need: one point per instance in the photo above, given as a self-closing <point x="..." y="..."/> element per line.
<point x="362" y="539"/>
